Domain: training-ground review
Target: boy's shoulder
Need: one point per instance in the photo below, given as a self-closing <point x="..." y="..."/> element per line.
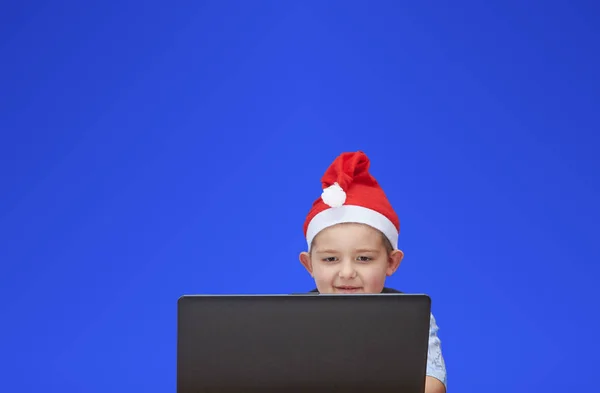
<point x="384" y="290"/>
<point x="390" y="290"/>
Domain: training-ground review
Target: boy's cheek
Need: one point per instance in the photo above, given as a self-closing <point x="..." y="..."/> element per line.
<point x="375" y="281"/>
<point x="322" y="276"/>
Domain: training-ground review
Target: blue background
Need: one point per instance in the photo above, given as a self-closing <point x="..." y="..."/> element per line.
<point x="152" y="149"/>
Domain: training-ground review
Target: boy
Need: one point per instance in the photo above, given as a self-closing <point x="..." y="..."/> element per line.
<point x="352" y="235"/>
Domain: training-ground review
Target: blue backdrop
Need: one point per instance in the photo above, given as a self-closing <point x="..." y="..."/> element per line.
<point x="152" y="149"/>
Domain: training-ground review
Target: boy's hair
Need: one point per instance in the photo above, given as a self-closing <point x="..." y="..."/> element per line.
<point x="386" y="242"/>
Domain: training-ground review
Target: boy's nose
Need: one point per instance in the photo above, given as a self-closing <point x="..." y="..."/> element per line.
<point x="347" y="270"/>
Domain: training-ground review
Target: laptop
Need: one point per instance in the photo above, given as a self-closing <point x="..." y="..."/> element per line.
<point x="302" y="343"/>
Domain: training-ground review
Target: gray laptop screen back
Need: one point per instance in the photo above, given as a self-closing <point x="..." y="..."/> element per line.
<point x="305" y="343"/>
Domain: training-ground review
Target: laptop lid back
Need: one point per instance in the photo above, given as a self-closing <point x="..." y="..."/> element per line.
<point x="302" y="343"/>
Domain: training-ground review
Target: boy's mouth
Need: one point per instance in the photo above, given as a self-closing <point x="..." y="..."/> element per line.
<point x="347" y="289"/>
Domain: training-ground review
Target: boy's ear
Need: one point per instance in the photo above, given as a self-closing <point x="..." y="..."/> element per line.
<point x="306" y="262"/>
<point x="394" y="260"/>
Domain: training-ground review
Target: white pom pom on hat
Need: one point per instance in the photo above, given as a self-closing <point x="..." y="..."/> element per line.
<point x="334" y="195"/>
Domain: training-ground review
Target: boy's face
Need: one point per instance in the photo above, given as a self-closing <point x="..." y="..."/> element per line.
<point x="350" y="258"/>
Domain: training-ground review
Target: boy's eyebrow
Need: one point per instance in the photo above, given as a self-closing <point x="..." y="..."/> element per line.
<point x="325" y="250"/>
<point x="333" y="251"/>
<point x="366" y="250"/>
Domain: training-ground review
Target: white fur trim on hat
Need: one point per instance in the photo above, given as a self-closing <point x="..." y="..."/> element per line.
<point x="351" y="214"/>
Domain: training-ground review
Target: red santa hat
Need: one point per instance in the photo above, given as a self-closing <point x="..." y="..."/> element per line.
<point x="351" y="195"/>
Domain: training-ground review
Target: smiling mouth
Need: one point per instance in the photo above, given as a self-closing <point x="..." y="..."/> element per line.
<point x="347" y="289"/>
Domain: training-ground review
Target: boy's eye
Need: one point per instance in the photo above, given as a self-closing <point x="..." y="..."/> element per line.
<point x="329" y="259"/>
<point x="364" y="259"/>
